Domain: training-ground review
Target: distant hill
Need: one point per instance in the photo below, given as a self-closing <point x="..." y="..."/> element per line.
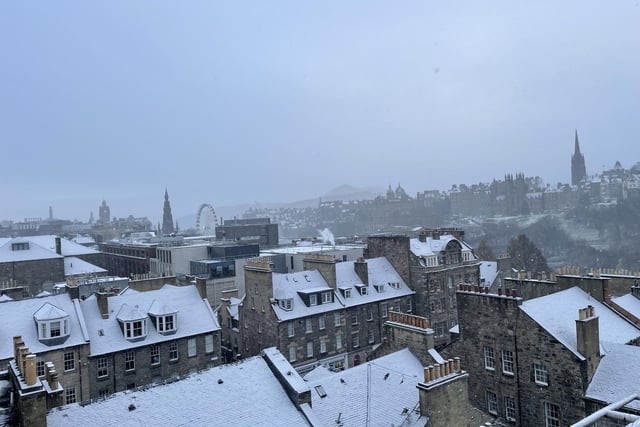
<point x="349" y="192"/>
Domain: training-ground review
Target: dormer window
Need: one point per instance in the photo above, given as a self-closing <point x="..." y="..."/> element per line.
<point x="379" y="288"/>
<point x="22" y="246"/>
<point x="52" y="323"/>
<point x="313" y="299"/>
<point x="362" y="289"/>
<point x="395" y="285"/>
<point x="286" y="304"/>
<point x="133" y="322"/>
<point x="346" y="292"/>
<point x="163" y="317"/>
<point x="326" y="297"/>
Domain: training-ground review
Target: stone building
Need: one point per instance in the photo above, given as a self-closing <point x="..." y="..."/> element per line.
<point x="140" y="338"/>
<point x="331" y="313"/>
<point x="531" y="361"/>
<point x="252" y="230"/>
<point x="433" y="265"/>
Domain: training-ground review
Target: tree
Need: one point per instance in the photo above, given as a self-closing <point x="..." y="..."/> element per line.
<point x="526" y="256"/>
<point x="484" y="251"/>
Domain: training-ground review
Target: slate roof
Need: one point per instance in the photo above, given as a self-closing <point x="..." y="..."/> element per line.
<point x="433" y="246"/>
<point x="617" y="376"/>
<point x="558" y="312"/>
<point x="249" y="395"/>
<point x="17" y="318"/>
<point x="194" y="317"/>
<point x="74" y="266"/>
<point x="380" y="390"/>
<point x="629" y="303"/>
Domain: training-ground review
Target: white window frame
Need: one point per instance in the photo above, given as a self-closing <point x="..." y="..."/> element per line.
<point x="323" y="346"/>
<point x="552" y="416"/>
<point x="102" y="367"/>
<point x="384" y="308"/>
<point x="308" y="326"/>
<point x="355" y="339"/>
<point x="322" y="322"/>
<point x="192" y="348"/>
<point x="489" y="358"/>
<point x="69" y="361"/>
<point x="354" y="317"/>
<point x="135" y="329"/>
<point x="292" y="354"/>
<point x="337" y="319"/>
<point x="130" y="360"/>
<point x="173" y="351"/>
<point x="168" y="323"/>
<point x="540" y="374"/>
<point x="208" y="344"/>
<point x="507" y="362"/>
<point x="291" y="329"/>
<point x="492" y="402"/>
<point x="338" y="341"/>
<point x="371" y="337"/>
<point x="286" y="304"/>
<point x="326" y="297"/>
<point x="309" y="349"/>
<point x="510" y="408"/>
<point x="313" y="299"/>
<point x="154" y="352"/>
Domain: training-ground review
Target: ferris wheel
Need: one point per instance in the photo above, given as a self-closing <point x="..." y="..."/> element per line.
<point x="206" y="220"/>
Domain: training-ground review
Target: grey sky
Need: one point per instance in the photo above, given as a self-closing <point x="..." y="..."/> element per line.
<point x="235" y="102"/>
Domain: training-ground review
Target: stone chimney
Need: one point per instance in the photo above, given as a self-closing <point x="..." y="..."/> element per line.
<point x="362" y="270"/>
<point x="103" y="304"/>
<point x="588" y="338"/>
<point x="444" y="394"/>
<point x="325" y="264"/>
<point x="201" y="285"/>
<point x="422" y="236"/>
<point x="30" y="376"/>
<point x="58" y="245"/>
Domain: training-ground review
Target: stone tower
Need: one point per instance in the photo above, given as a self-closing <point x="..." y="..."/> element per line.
<point x="167" y="218"/>
<point x="104" y="213"/>
<point x="578" y="169"/>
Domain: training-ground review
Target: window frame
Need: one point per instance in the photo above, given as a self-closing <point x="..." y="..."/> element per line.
<point x="489" y="358"/>
<point x="173" y="352"/>
<point x="540" y="374"/>
<point x="322" y="323"/>
<point x="129" y="361"/>
<point x="510" y="408"/>
<point x="70" y="395"/>
<point x="507" y="362"/>
<point x="552" y="415"/>
<point x="313" y="299"/>
<point x="492" y="402"/>
<point x="192" y="347"/>
<point x="326" y="298"/>
<point x="355" y="339"/>
<point x="154" y="353"/>
<point x="209" y="348"/>
<point x="291" y="329"/>
<point x="308" y="325"/>
<point x="102" y="367"/>
<point x="69" y="361"/>
<point x="309" y="349"/>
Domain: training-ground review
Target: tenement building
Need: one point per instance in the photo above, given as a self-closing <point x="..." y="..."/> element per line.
<point x="331" y="313"/>
<point x="543" y="361"/>
<point x="433" y="265"/>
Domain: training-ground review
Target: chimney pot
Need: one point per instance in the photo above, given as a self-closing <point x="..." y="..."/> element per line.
<point x="427" y="376"/>
<point x="456" y="361"/>
<point x="514" y="292"/>
<point x="499" y="291"/>
<point x="30" y="364"/>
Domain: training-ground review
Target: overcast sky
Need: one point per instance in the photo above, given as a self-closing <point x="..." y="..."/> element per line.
<point x="236" y="102"/>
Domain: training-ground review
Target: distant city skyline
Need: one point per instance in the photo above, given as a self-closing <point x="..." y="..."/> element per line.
<point x="233" y="104"/>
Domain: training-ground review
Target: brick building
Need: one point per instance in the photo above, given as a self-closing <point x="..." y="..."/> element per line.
<point x="331" y="313"/>
<point x="433" y="265"/>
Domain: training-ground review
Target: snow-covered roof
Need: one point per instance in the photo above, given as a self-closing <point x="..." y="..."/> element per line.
<point x="433" y="246"/>
<point x="387" y="397"/>
<point x="380" y="272"/>
<point x="248" y="394"/>
<point x="488" y="272"/>
<point x="286" y="286"/>
<point x="35" y="251"/>
<point x="234" y="305"/>
<point x="629" y="303"/>
<point x="49" y="311"/>
<point x="194" y="317"/>
<point x="617" y="376"/>
<point x="17" y="318"/>
<point x="74" y="266"/>
<point x="558" y="312"/>
<point x="314" y="248"/>
<point x="68" y="248"/>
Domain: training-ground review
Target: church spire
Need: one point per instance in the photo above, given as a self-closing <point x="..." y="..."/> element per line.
<point x="578" y="168"/>
<point x="577" y="148"/>
<point x="167" y="217"/>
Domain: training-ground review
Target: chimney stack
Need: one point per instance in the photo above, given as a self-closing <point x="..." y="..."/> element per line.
<point x="30" y="376"/>
<point x="103" y="304"/>
<point x="588" y="338"/>
<point x="422" y="236"/>
<point x="362" y="270"/>
<point x="58" y="245"/>
<point x="325" y="264"/>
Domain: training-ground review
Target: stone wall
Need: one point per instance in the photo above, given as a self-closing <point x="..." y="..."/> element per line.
<point x="395" y="248"/>
<point x="33" y="273"/>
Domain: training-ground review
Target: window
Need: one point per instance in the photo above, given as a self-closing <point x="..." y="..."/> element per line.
<point x="363" y="290"/>
<point x="326" y="297"/>
<point x="492" y="403"/>
<point x="208" y="344"/>
<point x="291" y="329"/>
<point x="191" y="347"/>
<point x="129" y="361"/>
<point x="347" y="293"/>
<point x="384" y="308"/>
<point x="313" y="299"/>
<point x="489" y="358"/>
<point x="70" y="395"/>
<point x="354" y="317"/>
<point x="337" y="318"/>
<point x="323" y="346"/>
<point x="507" y="362"/>
<point x="69" y="361"/>
<point x="338" y="342"/>
<point x="321" y="322"/>
<point x="320" y="391"/>
<point x="155" y="354"/>
<point x="369" y="314"/>
<point x="540" y="374"/>
<point x="308" y="326"/>
<point x="135" y="329"/>
<point x="166" y="323"/>
<point x="54" y="329"/>
<point x="104" y="393"/>
<point x="40" y="366"/>
<point x="409" y="306"/>
<point x="551" y="415"/>
<point x="510" y="408"/>
<point x="355" y="340"/>
<point x="173" y="351"/>
<point x="102" y="367"/>
<point x="371" y="336"/>
<point x="287" y="304"/>
<point x="309" y="349"/>
<point x="23" y="246"/>
<point x="292" y="354"/>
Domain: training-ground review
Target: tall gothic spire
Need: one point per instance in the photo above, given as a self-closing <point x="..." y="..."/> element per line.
<point x="577" y="147"/>
<point x="578" y="168"/>
<point x="167" y="217"/>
